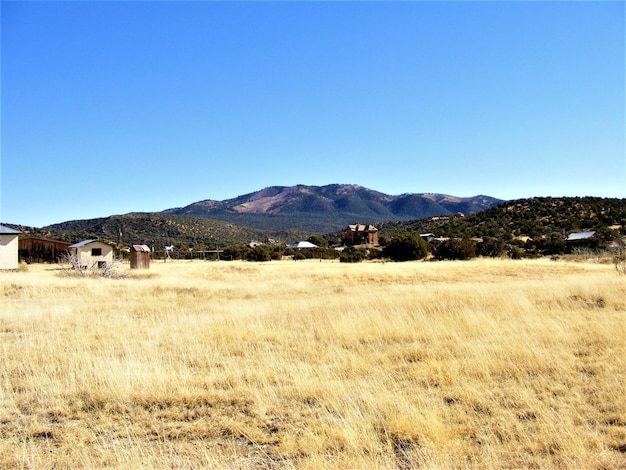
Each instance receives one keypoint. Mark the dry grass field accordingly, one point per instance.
(480, 364)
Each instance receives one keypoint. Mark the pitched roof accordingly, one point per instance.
(29, 237)
(302, 244)
(580, 236)
(80, 244)
(362, 228)
(8, 230)
(87, 242)
(141, 248)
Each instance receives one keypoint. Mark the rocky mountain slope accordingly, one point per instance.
(328, 208)
(543, 220)
(280, 213)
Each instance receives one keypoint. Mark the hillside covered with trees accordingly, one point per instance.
(535, 218)
(520, 228)
(536, 226)
(158, 230)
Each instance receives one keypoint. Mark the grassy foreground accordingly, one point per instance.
(481, 364)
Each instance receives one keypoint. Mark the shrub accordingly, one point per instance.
(234, 252)
(619, 257)
(318, 240)
(491, 247)
(515, 252)
(456, 249)
(352, 255)
(259, 253)
(276, 254)
(406, 246)
(314, 253)
(71, 265)
(374, 253)
(552, 244)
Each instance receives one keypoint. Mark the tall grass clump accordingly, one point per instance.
(479, 364)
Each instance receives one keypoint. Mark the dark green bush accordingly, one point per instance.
(491, 247)
(313, 253)
(234, 252)
(318, 240)
(456, 249)
(406, 246)
(299, 255)
(259, 253)
(352, 255)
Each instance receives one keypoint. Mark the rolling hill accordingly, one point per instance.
(537, 218)
(541, 218)
(279, 213)
(158, 230)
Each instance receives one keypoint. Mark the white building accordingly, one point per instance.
(9, 246)
(92, 253)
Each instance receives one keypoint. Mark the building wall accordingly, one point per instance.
(348, 236)
(139, 260)
(373, 238)
(8, 251)
(35, 250)
(87, 259)
(358, 237)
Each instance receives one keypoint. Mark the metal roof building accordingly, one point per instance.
(575, 236)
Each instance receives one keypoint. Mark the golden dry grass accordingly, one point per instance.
(481, 364)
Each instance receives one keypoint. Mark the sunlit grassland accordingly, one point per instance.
(481, 364)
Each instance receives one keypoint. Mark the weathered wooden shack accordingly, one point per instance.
(8, 248)
(41, 250)
(139, 257)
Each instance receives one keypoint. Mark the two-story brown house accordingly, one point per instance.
(358, 234)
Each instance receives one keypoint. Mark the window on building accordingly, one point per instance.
(96, 252)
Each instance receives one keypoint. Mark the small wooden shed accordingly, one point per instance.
(139, 257)
(8, 247)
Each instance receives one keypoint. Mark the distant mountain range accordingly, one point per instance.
(280, 213)
(283, 214)
(328, 208)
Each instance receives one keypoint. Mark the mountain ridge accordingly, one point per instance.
(326, 208)
(543, 221)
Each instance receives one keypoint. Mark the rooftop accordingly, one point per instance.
(8, 231)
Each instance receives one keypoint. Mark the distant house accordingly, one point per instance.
(583, 240)
(301, 244)
(139, 257)
(92, 253)
(358, 234)
(579, 236)
(8, 248)
(41, 250)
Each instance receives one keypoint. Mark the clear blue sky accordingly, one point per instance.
(116, 107)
